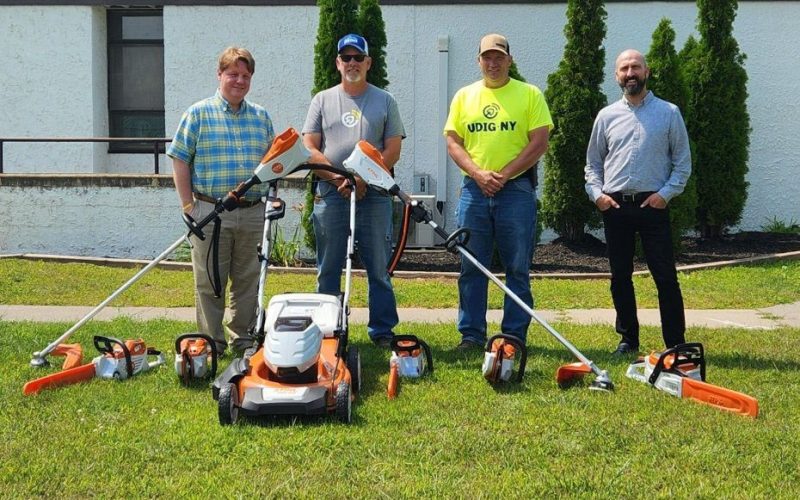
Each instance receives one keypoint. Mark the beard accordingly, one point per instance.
(635, 89)
(353, 77)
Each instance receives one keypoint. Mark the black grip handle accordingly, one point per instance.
(211, 342)
(106, 346)
(518, 345)
(414, 343)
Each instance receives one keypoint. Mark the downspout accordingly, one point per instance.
(443, 45)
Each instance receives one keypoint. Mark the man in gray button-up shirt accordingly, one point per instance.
(638, 159)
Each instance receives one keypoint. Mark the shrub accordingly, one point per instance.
(574, 97)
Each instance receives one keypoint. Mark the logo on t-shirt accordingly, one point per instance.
(491, 110)
(351, 118)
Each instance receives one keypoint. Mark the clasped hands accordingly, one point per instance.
(343, 187)
(489, 182)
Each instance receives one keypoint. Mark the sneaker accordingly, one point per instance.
(468, 345)
(383, 342)
(625, 348)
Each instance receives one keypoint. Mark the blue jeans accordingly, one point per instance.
(374, 245)
(507, 220)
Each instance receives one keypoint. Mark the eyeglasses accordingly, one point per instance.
(349, 57)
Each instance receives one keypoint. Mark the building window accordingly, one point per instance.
(135, 76)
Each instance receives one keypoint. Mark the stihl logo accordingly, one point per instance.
(277, 168)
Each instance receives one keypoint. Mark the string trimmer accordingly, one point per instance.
(118, 360)
(265, 171)
(367, 163)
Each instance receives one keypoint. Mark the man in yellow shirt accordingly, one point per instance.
(496, 132)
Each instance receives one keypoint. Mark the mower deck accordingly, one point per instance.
(262, 392)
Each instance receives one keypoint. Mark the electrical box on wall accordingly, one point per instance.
(422, 184)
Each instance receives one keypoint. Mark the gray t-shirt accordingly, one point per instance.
(343, 120)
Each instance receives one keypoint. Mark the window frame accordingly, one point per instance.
(115, 39)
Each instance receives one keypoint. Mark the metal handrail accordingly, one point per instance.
(155, 141)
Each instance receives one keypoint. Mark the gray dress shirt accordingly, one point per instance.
(634, 149)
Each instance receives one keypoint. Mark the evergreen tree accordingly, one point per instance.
(371, 26)
(667, 82)
(514, 73)
(717, 118)
(574, 96)
(336, 19)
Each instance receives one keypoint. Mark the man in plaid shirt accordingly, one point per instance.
(219, 141)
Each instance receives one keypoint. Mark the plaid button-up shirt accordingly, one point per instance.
(222, 147)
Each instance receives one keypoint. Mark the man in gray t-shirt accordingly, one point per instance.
(337, 119)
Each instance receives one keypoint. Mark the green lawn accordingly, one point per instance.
(451, 435)
(43, 283)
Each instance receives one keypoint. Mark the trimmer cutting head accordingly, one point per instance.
(602, 383)
(569, 374)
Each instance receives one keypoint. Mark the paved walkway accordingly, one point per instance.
(755, 319)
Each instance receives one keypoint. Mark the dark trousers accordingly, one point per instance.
(621, 225)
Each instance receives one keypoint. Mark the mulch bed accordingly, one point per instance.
(589, 255)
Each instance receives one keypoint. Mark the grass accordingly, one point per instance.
(776, 225)
(43, 283)
(451, 435)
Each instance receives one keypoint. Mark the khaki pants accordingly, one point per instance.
(240, 235)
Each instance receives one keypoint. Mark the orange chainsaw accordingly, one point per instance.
(195, 357)
(681, 372)
(411, 357)
(118, 360)
(499, 358)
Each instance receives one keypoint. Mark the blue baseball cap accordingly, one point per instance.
(355, 41)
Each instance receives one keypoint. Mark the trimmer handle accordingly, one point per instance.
(209, 340)
(106, 346)
(410, 344)
(518, 345)
(194, 228)
(459, 237)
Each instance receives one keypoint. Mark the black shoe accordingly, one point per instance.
(468, 345)
(625, 348)
(383, 342)
(221, 348)
(241, 344)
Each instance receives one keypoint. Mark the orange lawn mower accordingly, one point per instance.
(301, 363)
(367, 163)
(681, 372)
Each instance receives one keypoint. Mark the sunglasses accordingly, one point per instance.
(349, 57)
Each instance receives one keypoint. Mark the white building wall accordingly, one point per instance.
(65, 93)
(284, 71)
(90, 221)
(46, 81)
